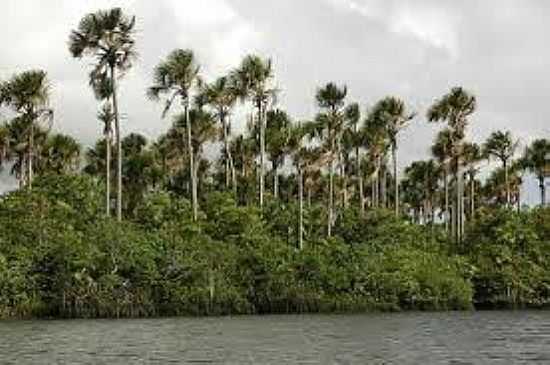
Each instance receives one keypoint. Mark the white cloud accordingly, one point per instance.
(429, 23)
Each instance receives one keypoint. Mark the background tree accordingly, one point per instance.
(472, 156)
(455, 108)
(502, 146)
(329, 125)
(107, 36)
(392, 113)
(175, 78)
(253, 80)
(535, 161)
(442, 151)
(106, 116)
(27, 95)
(278, 135)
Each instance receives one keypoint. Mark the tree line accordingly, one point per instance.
(291, 215)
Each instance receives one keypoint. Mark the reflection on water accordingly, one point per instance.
(405, 338)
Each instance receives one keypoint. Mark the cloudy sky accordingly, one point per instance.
(416, 50)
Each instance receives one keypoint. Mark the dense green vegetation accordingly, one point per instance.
(289, 216)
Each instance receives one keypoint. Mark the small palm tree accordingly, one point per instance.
(535, 160)
(442, 150)
(175, 78)
(472, 156)
(502, 146)
(107, 36)
(27, 95)
(60, 154)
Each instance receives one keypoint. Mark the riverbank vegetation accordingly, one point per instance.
(289, 216)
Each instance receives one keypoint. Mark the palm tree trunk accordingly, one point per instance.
(395, 182)
(301, 219)
(446, 187)
(359, 180)
(191, 162)
(542, 191)
(458, 210)
(384, 187)
(472, 196)
(118, 147)
(505, 165)
(275, 180)
(30, 156)
(226, 149)
(108, 173)
(331, 190)
(262, 152)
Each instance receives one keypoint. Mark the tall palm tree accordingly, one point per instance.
(393, 114)
(535, 160)
(253, 80)
(27, 95)
(374, 128)
(221, 95)
(106, 116)
(442, 150)
(502, 146)
(331, 98)
(455, 108)
(175, 78)
(107, 36)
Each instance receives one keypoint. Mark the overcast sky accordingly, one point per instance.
(416, 50)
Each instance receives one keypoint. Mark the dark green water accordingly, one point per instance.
(405, 338)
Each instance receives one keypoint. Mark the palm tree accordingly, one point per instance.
(359, 141)
(454, 108)
(421, 180)
(330, 98)
(392, 113)
(106, 116)
(502, 146)
(278, 133)
(253, 81)
(377, 148)
(442, 150)
(472, 156)
(60, 154)
(221, 95)
(175, 78)
(535, 160)
(107, 36)
(27, 95)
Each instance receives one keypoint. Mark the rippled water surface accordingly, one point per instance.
(406, 338)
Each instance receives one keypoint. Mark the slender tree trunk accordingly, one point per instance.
(191, 162)
(458, 210)
(542, 191)
(331, 188)
(446, 187)
(30, 156)
(472, 196)
(360, 180)
(505, 165)
(226, 150)
(108, 173)
(118, 147)
(275, 180)
(395, 182)
(301, 199)
(262, 152)
(384, 186)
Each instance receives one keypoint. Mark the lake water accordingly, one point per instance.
(521, 337)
